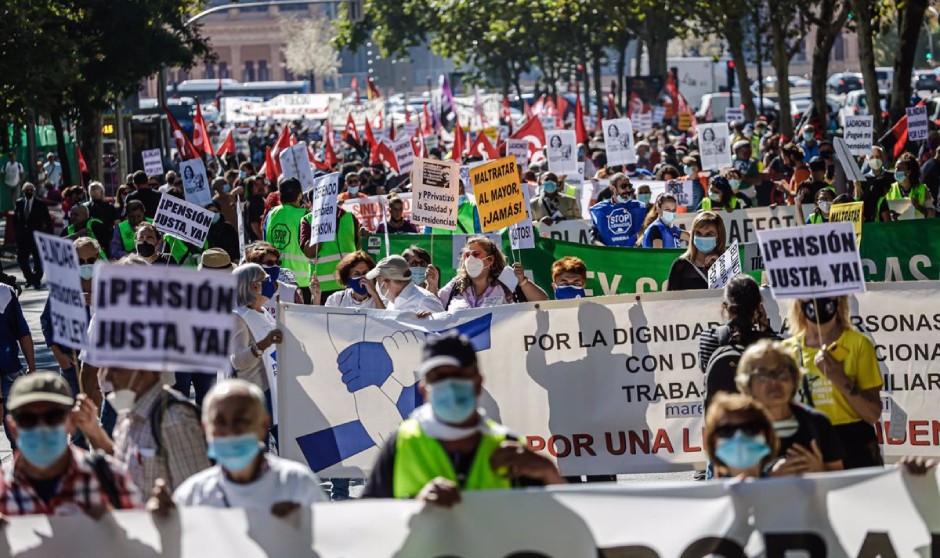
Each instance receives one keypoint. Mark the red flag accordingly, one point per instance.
(82, 166)
(320, 165)
(355, 87)
(896, 138)
(351, 135)
(634, 107)
(533, 132)
(505, 113)
(372, 92)
(391, 129)
(270, 167)
(417, 144)
(382, 154)
(528, 109)
(407, 114)
(370, 137)
(457, 152)
(580, 131)
(228, 146)
(483, 147)
(378, 121)
(672, 88)
(283, 142)
(329, 155)
(426, 128)
(218, 95)
(201, 140)
(183, 145)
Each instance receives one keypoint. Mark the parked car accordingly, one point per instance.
(770, 84)
(856, 104)
(926, 80)
(842, 82)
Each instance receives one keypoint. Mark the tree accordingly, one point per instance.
(867, 18)
(829, 17)
(725, 18)
(787, 29)
(910, 19)
(308, 47)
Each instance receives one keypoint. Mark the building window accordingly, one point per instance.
(263, 74)
(838, 49)
(210, 70)
(249, 71)
(223, 70)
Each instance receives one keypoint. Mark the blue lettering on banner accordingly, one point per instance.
(618, 224)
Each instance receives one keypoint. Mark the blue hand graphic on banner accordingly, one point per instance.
(364, 364)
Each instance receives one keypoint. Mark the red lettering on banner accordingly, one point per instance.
(608, 438)
(687, 446)
(662, 441)
(583, 442)
(916, 432)
(919, 433)
(565, 444)
(535, 443)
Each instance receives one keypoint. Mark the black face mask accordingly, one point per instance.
(145, 249)
(820, 310)
(29, 195)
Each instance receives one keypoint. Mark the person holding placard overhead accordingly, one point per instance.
(659, 230)
(690, 270)
(842, 379)
(907, 185)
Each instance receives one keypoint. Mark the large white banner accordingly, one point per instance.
(604, 385)
(870, 513)
(66, 300)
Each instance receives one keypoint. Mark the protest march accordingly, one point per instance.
(489, 311)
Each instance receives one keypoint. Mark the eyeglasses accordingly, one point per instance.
(776, 374)
(473, 253)
(750, 428)
(54, 417)
(88, 261)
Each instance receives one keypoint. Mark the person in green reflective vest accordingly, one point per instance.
(146, 242)
(122, 241)
(325, 256)
(468, 217)
(83, 225)
(907, 185)
(282, 230)
(448, 445)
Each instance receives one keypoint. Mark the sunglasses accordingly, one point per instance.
(750, 428)
(54, 417)
(88, 261)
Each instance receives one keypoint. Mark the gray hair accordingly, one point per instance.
(83, 241)
(232, 386)
(81, 209)
(246, 274)
(619, 176)
(96, 190)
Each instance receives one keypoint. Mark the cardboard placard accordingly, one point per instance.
(66, 301)
(195, 182)
(435, 191)
(324, 210)
(499, 195)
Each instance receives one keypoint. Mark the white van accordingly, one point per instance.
(885, 75)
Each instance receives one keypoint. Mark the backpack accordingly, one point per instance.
(722, 365)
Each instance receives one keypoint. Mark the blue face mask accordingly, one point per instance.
(227, 188)
(705, 244)
(453, 401)
(644, 198)
(216, 217)
(461, 199)
(549, 186)
(43, 445)
(268, 288)
(242, 174)
(742, 451)
(899, 176)
(357, 286)
(235, 453)
(419, 275)
(567, 292)
(687, 169)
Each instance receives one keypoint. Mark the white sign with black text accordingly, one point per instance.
(562, 152)
(725, 267)
(435, 192)
(917, 123)
(188, 222)
(618, 140)
(195, 182)
(520, 149)
(153, 162)
(404, 154)
(295, 163)
(323, 225)
(858, 134)
(714, 146)
(66, 300)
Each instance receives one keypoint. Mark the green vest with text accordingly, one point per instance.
(128, 235)
(283, 231)
(420, 459)
(707, 204)
(464, 221)
(917, 193)
(332, 252)
(91, 222)
(181, 252)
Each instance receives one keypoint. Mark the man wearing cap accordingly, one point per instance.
(448, 445)
(47, 476)
(215, 259)
(392, 276)
(816, 181)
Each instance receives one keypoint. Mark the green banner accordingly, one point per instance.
(901, 250)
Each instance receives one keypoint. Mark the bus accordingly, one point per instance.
(206, 89)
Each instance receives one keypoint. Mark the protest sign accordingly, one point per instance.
(520, 150)
(618, 141)
(562, 152)
(370, 211)
(242, 232)
(66, 300)
(548, 122)
(521, 234)
(903, 209)
(409, 128)
(658, 114)
(644, 122)
(917, 123)
(725, 267)
(177, 319)
(683, 191)
(852, 172)
(714, 146)
(153, 162)
(635, 358)
(324, 210)
(188, 222)
(432, 142)
(435, 191)
(685, 120)
(404, 155)
(499, 196)
(812, 262)
(734, 114)
(295, 163)
(195, 182)
(851, 212)
(858, 134)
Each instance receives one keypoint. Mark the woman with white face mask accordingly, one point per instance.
(820, 214)
(478, 283)
(660, 232)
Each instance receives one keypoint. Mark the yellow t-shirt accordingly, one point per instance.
(861, 367)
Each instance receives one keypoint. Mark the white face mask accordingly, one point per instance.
(383, 293)
(474, 266)
(875, 164)
(122, 399)
(825, 206)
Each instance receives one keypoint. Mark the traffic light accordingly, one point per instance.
(730, 69)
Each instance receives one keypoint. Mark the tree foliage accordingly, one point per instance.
(308, 47)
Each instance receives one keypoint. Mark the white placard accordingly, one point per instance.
(432, 142)
(295, 163)
(659, 113)
(858, 134)
(186, 221)
(735, 114)
(521, 234)
(714, 146)
(644, 122)
(195, 182)
(408, 129)
(548, 122)
(562, 151)
(323, 226)
(682, 190)
(520, 149)
(917, 123)
(174, 319)
(435, 191)
(847, 160)
(618, 141)
(404, 154)
(242, 233)
(153, 162)
(812, 262)
(66, 300)
(725, 267)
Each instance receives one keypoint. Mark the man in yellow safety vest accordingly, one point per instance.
(282, 230)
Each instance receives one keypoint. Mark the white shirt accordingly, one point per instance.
(415, 299)
(344, 299)
(11, 173)
(53, 173)
(283, 481)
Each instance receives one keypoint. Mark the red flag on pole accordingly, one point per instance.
(185, 147)
(532, 131)
(329, 155)
(351, 134)
(457, 152)
(82, 166)
(270, 167)
(483, 147)
(370, 137)
(417, 144)
(283, 142)
(580, 131)
(372, 92)
(384, 154)
(228, 146)
(201, 140)
(426, 126)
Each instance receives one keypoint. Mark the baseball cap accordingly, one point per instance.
(450, 349)
(215, 258)
(739, 144)
(40, 387)
(395, 268)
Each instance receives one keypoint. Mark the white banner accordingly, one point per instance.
(725, 267)
(609, 385)
(562, 151)
(812, 261)
(435, 191)
(295, 163)
(917, 123)
(325, 190)
(153, 162)
(195, 182)
(618, 141)
(66, 300)
(714, 146)
(870, 513)
(182, 219)
(858, 134)
(176, 319)
(404, 154)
